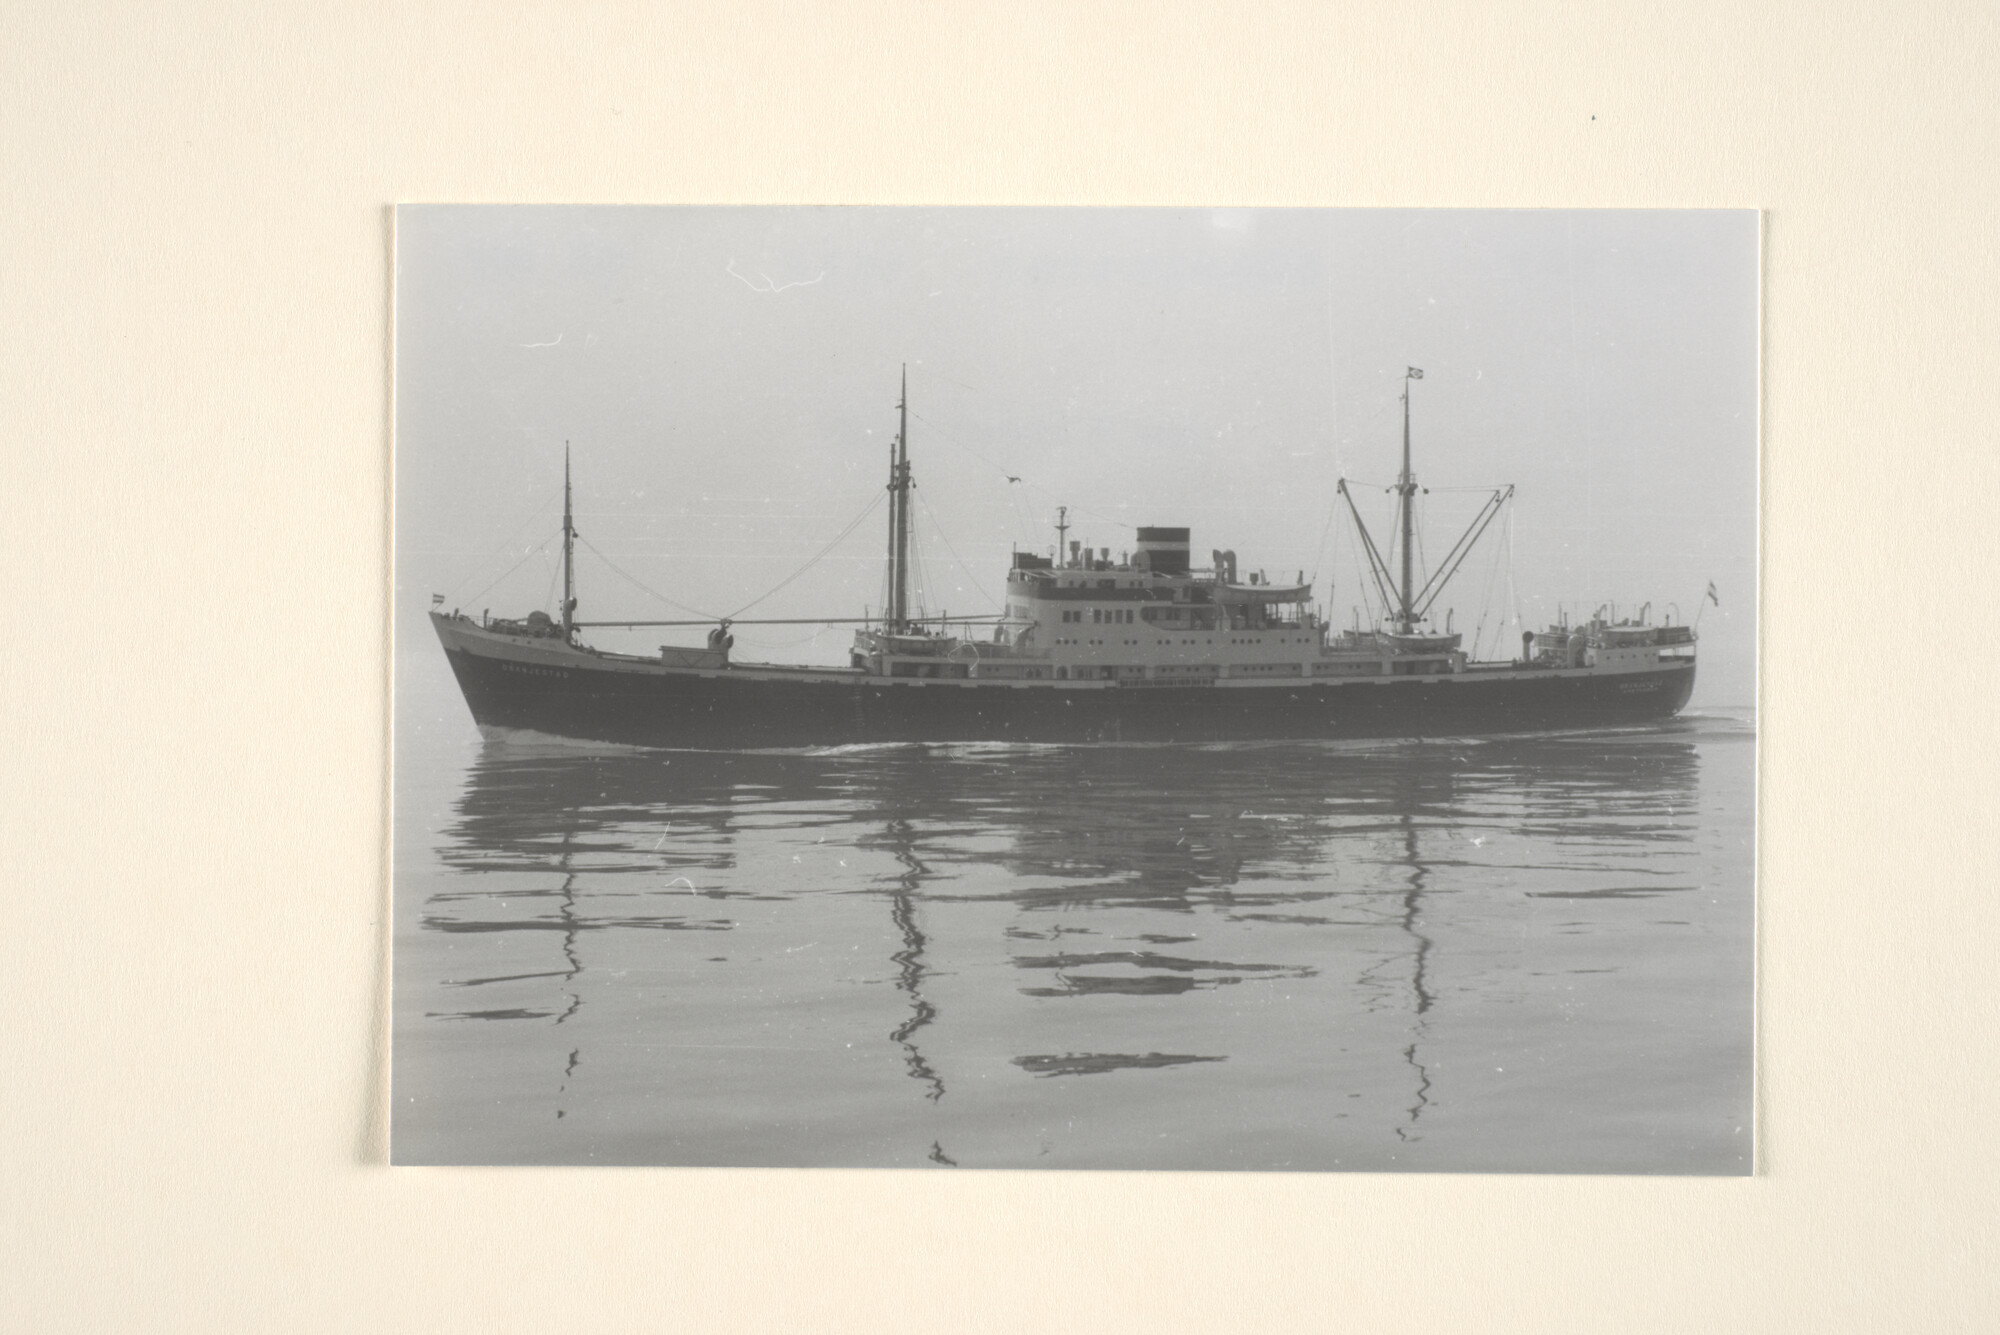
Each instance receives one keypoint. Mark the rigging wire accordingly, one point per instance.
(762, 643)
(856, 523)
(919, 570)
(1513, 597)
(1423, 509)
(1319, 557)
(952, 438)
(927, 581)
(533, 514)
(929, 370)
(1354, 546)
(532, 551)
(888, 591)
(1025, 525)
(1486, 601)
(1079, 510)
(636, 583)
(549, 594)
(931, 515)
(1393, 558)
(1368, 561)
(1479, 629)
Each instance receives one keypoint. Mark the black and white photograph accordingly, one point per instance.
(1086, 688)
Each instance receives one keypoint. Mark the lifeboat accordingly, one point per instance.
(1419, 643)
(1262, 594)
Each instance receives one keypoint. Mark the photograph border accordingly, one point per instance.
(197, 405)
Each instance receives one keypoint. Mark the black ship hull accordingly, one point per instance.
(569, 694)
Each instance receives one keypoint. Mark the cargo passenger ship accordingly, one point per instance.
(1148, 648)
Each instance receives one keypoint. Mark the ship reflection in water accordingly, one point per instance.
(1508, 955)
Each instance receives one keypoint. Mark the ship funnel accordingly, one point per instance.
(1164, 551)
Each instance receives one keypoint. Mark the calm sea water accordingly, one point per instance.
(1502, 955)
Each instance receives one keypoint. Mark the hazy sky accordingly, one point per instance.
(727, 378)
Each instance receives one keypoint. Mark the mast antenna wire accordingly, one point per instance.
(530, 517)
(549, 594)
(1319, 557)
(644, 588)
(532, 551)
(1513, 597)
(919, 574)
(1434, 585)
(938, 528)
(781, 584)
(1361, 563)
(762, 643)
(1378, 567)
(1423, 560)
(1486, 600)
(951, 438)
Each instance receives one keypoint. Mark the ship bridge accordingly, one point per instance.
(1150, 614)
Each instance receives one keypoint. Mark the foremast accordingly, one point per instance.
(899, 517)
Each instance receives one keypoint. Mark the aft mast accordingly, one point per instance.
(1406, 487)
(1409, 603)
(569, 559)
(899, 517)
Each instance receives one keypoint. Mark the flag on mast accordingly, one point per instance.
(1711, 594)
(1415, 374)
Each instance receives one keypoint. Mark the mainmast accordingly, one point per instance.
(1406, 486)
(889, 600)
(1413, 604)
(899, 516)
(569, 559)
